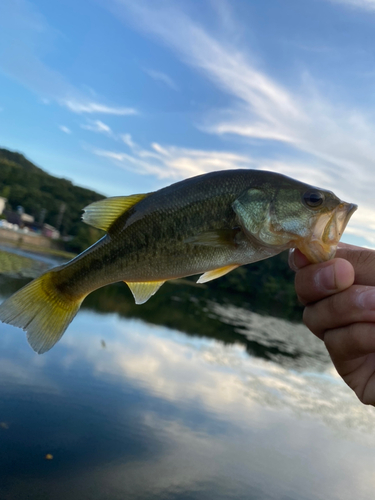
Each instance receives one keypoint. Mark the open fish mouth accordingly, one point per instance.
(337, 223)
(327, 233)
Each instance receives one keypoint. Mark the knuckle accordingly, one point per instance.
(359, 336)
(363, 261)
(352, 297)
(311, 320)
(365, 258)
(332, 341)
(340, 305)
(334, 305)
(348, 342)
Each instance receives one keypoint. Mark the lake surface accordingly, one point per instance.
(190, 396)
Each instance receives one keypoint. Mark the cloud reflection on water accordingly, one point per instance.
(223, 379)
(217, 421)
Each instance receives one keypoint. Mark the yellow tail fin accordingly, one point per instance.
(42, 311)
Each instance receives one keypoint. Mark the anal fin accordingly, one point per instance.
(216, 273)
(143, 290)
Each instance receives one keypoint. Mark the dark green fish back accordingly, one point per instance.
(158, 238)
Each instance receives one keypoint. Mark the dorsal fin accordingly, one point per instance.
(142, 291)
(102, 214)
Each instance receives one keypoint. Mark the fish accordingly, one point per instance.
(208, 225)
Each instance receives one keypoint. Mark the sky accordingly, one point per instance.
(126, 96)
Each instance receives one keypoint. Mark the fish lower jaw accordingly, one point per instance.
(317, 251)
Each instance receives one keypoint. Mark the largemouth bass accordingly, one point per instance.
(206, 225)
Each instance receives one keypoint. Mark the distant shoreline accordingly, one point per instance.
(37, 250)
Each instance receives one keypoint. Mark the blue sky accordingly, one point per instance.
(127, 96)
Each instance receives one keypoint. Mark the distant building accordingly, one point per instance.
(2, 204)
(28, 221)
(27, 218)
(50, 232)
(19, 218)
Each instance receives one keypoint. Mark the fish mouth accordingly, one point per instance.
(327, 232)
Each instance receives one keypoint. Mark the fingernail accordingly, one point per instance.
(296, 259)
(325, 278)
(291, 260)
(366, 298)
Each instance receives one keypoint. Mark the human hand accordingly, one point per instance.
(339, 299)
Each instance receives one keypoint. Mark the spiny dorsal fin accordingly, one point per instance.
(216, 273)
(142, 291)
(102, 214)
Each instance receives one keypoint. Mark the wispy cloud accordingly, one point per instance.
(97, 126)
(65, 129)
(84, 106)
(171, 162)
(337, 141)
(127, 139)
(22, 59)
(359, 4)
(161, 77)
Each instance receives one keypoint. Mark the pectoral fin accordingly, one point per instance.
(216, 238)
(142, 291)
(102, 214)
(216, 273)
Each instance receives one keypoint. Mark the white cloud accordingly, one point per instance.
(65, 129)
(97, 126)
(359, 4)
(161, 77)
(171, 162)
(176, 163)
(94, 107)
(338, 141)
(21, 58)
(127, 139)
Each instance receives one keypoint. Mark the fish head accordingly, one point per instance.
(291, 214)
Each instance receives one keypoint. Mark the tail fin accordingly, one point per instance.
(42, 311)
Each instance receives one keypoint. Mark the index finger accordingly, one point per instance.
(362, 260)
(318, 281)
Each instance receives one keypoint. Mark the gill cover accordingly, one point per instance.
(254, 209)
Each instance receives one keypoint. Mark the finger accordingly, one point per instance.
(318, 281)
(352, 350)
(363, 261)
(353, 305)
(350, 342)
(297, 259)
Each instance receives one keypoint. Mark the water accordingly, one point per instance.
(190, 396)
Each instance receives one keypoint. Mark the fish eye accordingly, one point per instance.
(313, 199)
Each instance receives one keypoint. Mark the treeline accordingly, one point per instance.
(56, 201)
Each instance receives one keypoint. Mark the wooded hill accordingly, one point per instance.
(25, 184)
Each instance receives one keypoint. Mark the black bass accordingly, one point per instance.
(206, 225)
